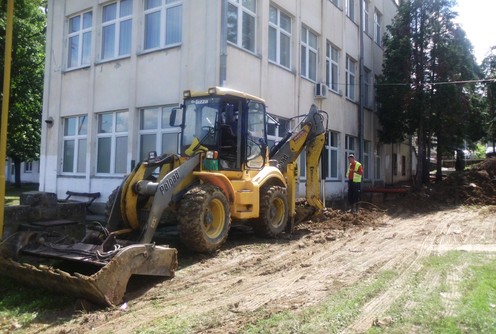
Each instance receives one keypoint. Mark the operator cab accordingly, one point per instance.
(227, 124)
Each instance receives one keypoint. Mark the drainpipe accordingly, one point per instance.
(361, 87)
(223, 44)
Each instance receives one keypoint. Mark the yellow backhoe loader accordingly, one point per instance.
(224, 172)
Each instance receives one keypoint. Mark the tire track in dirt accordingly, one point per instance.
(250, 275)
(443, 229)
(376, 307)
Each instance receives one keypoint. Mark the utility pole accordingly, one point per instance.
(5, 108)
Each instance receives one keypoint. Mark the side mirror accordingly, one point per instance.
(176, 117)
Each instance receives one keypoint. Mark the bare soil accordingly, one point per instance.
(252, 277)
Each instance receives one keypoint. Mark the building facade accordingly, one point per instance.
(115, 69)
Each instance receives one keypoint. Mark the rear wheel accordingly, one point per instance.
(273, 212)
(204, 218)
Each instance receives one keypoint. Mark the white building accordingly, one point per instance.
(30, 171)
(115, 68)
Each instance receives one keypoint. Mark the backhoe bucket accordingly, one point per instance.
(106, 286)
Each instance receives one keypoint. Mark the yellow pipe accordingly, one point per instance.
(5, 108)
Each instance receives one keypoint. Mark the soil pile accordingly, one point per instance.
(476, 185)
(330, 224)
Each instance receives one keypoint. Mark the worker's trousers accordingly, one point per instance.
(354, 189)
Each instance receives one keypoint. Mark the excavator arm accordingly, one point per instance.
(310, 134)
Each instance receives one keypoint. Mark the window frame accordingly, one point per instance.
(365, 22)
(378, 162)
(350, 71)
(278, 134)
(279, 30)
(80, 34)
(241, 11)
(351, 146)
(78, 135)
(306, 48)
(350, 9)
(332, 66)
(332, 144)
(114, 135)
(366, 159)
(162, 38)
(367, 86)
(28, 166)
(159, 130)
(377, 27)
(117, 22)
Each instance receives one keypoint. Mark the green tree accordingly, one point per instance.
(26, 96)
(489, 69)
(425, 54)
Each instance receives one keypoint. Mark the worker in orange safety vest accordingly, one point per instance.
(354, 177)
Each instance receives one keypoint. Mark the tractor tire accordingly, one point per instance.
(204, 218)
(110, 201)
(108, 209)
(273, 212)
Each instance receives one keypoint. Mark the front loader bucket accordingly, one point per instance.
(104, 287)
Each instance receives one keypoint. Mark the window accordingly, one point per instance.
(403, 165)
(366, 159)
(156, 134)
(277, 128)
(75, 143)
(365, 22)
(163, 23)
(241, 23)
(377, 27)
(79, 40)
(367, 88)
(332, 67)
(116, 29)
(256, 127)
(112, 143)
(378, 153)
(308, 54)
(395, 164)
(279, 37)
(333, 149)
(351, 146)
(350, 9)
(28, 167)
(350, 78)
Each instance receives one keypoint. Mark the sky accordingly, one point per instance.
(478, 19)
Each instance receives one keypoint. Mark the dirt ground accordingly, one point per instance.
(330, 252)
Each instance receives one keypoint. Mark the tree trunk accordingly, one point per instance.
(420, 158)
(17, 172)
(439, 161)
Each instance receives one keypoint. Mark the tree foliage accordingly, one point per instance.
(420, 92)
(489, 69)
(26, 95)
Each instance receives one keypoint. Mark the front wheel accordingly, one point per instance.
(273, 212)
(204, 218)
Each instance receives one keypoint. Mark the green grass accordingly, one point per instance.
(432, 302)
(331, 316)
(12, 193)
(438, 303)
(21, 306)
